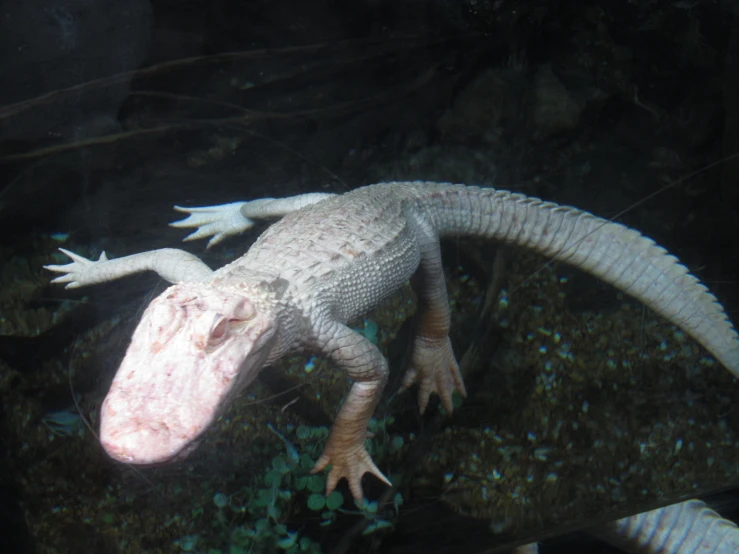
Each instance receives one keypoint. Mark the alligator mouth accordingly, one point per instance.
(144, 445)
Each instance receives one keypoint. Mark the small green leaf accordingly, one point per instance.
(319, 432)
(457, 400)
(300, 482)
(303, 432)
(376, 525)
(316, 483)
(371, 507)
(220, 500)
(274, 512)
(241, 536)
(306, 462)
(316, 502)
(188, 542)
(398, 500)
(334, 500)
(397, 442)
(279, 464)
(288, 541)
(273, 477)
(263, 528)
(263, 498)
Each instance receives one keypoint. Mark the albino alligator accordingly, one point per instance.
(688, 527)
(330, 259)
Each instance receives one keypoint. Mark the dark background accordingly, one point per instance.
(111, 111)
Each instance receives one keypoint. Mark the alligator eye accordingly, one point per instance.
(164, 321)
(219, 332)
(244, 311)
(162, 315)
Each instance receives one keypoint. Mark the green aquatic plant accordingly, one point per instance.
(287, 482)
(257, 518)
(63, 423)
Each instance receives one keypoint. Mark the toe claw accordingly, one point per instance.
(351, 465)
(435, 369)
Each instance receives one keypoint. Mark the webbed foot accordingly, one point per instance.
(435, 369)
(217, 222)
(350, 461)
(79, 272)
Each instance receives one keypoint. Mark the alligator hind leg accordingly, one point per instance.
(225, 220)
(433, 365)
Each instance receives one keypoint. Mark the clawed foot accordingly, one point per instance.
(217, 222)
(435, 369)
(350, 463)
(78, 273)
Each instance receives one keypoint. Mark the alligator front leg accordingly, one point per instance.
(345, 449)
(175, 266)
